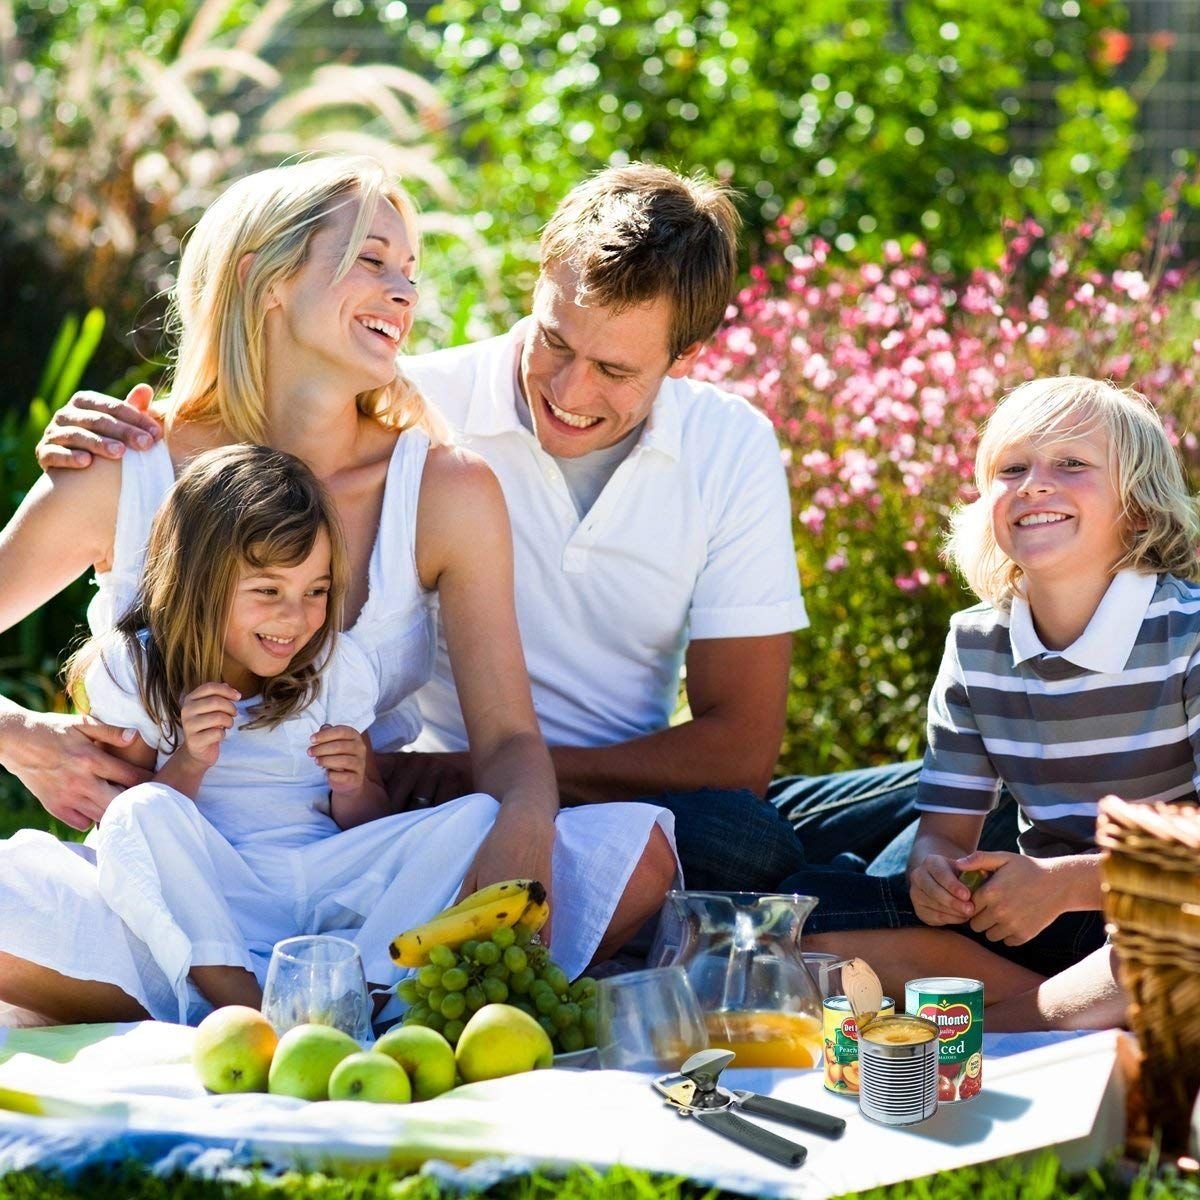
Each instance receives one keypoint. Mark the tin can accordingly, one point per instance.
(955, 1006)
(841, 1043)
(898, 1066)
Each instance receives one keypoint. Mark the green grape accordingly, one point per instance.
(436, 998)
(548, 1026)
(455, 979)
(562, 1017)
(588, 1024)
(521, 981)
(452, 1031)
(487, 953)
(496, 971)
(429, 976)
(475, 998)
(523, 936)
(572, 1039)
(586, 985)
(435, 1021)
(556, 977)
(407, 990)
(545, 1003)
(523, 1004)
(468, 948)
(504, 937)
(538, 957)
(495, 990)
(419, 1012)
(454, 1005)
(539, 986)
(442, 956)
(515, 958)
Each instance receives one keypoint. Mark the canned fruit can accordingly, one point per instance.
(955, 1006)
(898, 1064)
(841, 1043)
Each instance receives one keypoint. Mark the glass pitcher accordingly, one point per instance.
(741, 952)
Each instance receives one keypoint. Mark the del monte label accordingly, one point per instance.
(952, 1020)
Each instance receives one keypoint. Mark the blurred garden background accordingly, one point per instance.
(941, 200)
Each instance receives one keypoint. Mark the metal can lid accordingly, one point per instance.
(944, 983)
(863, 990)
(900, 1031)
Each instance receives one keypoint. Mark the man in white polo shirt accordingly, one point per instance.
(652, 532)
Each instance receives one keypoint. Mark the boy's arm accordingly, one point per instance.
(933, 879)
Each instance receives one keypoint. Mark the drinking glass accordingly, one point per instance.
(826, 970)
(648, 1020)
(317, 979)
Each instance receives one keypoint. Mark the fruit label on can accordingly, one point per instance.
(841, 1043)
(956, 1008)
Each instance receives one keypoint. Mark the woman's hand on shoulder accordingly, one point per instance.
(93, 426)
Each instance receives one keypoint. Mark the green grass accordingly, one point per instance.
(1043, 1180)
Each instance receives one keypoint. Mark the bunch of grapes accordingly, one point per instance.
(510, 967)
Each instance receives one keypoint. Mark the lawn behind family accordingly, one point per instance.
(940, 202)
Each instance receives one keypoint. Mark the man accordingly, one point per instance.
(651, 526)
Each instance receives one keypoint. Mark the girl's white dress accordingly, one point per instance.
(257, 857)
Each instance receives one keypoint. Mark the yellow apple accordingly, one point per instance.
(501, 1040)
(305, 1058)
(426, 1056)
(373, 1077)
(233, 1048)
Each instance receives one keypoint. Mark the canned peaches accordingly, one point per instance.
(841, 1043)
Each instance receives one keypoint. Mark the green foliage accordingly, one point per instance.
(881, 120)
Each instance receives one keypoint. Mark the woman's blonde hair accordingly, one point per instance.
(231, 507)
(219, 317)
(1159, 510)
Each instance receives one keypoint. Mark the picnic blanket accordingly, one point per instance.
(83, 1095)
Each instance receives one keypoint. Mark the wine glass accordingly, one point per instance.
(648, 1020)
(317, 979)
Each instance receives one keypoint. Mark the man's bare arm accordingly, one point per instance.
(737, 692)
(92, 424)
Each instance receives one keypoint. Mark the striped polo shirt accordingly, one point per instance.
(1117, 712)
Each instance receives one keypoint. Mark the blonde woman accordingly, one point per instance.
(295, 293)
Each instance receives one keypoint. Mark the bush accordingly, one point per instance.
(876, 378)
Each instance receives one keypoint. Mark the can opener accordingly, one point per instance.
(693, 1092)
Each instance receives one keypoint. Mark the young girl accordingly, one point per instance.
(296, 291)
(1077, 677)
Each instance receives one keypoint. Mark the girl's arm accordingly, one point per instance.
(356, 791)
(464, 549)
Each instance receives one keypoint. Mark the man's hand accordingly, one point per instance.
(62, 760)
(342, 752)
(1021, 896)
(91, 423)
(937, 895)
(207, 715)
(519, 846)
(416, 780)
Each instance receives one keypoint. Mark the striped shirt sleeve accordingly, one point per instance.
(957, 775)
(1191, 704)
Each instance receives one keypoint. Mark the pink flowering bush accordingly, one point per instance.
(877, 378)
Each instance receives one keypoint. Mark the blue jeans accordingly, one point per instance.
(734, 841)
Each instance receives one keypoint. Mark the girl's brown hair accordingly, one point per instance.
(231, 507)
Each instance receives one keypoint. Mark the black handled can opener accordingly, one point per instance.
(693, 1092)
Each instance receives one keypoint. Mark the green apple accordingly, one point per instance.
(501, 1040)
(426, 1056)
(366, 1076)
(305, 1058)
(233, 1048)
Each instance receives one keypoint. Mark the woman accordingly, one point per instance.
(295, 292)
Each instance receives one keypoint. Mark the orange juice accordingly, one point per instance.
(766, 1039)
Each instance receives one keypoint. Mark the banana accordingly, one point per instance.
(510, 887)
(535, 916)
(455, 926)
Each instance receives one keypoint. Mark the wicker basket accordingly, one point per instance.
(1152, 901)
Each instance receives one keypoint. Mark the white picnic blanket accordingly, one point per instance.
(83, 1095)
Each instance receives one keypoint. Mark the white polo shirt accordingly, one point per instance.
(690, 538)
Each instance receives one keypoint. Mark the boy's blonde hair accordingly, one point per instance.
(220, 319)
(1159, 509)
(233, 506)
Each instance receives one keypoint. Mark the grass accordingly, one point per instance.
(1041, 1180)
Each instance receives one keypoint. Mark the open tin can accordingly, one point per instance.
(897, 1056)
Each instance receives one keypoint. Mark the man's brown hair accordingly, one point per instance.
(635, 233)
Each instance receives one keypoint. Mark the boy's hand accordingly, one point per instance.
(342, 752)
(938, 896)
(1018, 900)
(208, 714)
